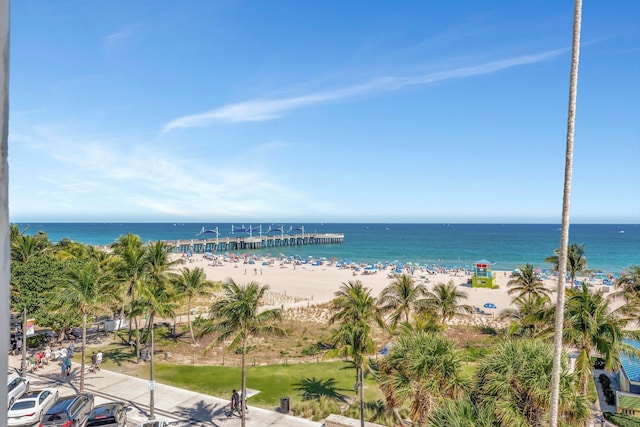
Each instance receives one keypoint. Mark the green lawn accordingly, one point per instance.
(273, 381)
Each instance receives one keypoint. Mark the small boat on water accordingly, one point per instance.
(621, 231)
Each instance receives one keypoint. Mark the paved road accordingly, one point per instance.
(171, 403)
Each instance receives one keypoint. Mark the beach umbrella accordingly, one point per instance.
(490, 305)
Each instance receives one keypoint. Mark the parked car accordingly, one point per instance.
(112, 414)
(69, 411)
(17, 386)
(31, 406)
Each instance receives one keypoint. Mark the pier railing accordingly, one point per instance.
(223, 244)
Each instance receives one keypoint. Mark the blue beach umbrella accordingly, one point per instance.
(490, 305)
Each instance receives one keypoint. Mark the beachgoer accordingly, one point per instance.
(63, 353)
(235, 398)
(19, 345)
(94, 362)
(98, 360)
(67, 364)
(72, 349)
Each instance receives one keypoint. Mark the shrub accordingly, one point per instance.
(622, 420)
(604, 380)
(317, 408)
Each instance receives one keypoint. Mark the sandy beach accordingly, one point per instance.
(296, 288)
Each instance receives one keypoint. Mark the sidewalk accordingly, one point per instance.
(171, 403)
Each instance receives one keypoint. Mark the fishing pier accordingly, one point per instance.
(225, 244)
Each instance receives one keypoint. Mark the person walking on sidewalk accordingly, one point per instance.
(235, 400)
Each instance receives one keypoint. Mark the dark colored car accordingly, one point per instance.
(112, 414)
(69, 411)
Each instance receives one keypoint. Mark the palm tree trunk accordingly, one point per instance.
(243, 403)
(135, 324)
(84, 344)
(193, 340)
(566, 203)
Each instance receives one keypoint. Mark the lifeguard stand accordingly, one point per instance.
(482, 275)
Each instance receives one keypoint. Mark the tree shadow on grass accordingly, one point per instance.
(120, 355)
(314, 388)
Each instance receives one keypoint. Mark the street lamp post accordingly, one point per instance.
(152, 382)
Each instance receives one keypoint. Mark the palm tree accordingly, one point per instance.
(421, 368)
(356, 310)
(83, 290)
(157, 298)
(237, 316)
(520, 397)
(566, 205)
(129, 268)
(530, 317)
(399, 298)
(591, 326)
(24, 247)
(157, 295)
(461, 412)
(629, 284)
(576, 261)
(444, 300)
(525, 282)
(191, 283)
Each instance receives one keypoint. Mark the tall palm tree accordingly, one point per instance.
(525, 282)
(129, 268)
(191, 283)
(421, 368)
(591, 326)
(566, 207)
(157, 298)
(82, 290)
(520, 397)
(445, 301)
(237, 316)
(399, 298)
(356, 310)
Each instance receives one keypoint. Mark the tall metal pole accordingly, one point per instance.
(152, 383)
(23, 364)
(5, 257)
(361, 392)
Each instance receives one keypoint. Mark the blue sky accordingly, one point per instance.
(321, 111)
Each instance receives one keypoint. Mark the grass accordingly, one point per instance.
(273, 381)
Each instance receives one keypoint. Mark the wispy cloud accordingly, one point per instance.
(268, 109)
(117, 39)
(135, 176)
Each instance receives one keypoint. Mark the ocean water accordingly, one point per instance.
(611, 248)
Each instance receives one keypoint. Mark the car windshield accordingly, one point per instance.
(23, 404)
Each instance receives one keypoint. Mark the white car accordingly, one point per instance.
(17, 386)
(29, 408)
